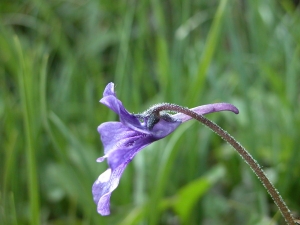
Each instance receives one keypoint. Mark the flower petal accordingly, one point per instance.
(106, 183)
(112, 134)
(121, 143)
(109, 89)
(164, 128)
(111, 101)
(206, 109)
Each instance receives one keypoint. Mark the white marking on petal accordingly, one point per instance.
(104, 177)
(101, 159)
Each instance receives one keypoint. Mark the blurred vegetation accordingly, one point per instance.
(57, 56)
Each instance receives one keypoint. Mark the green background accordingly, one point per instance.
(57, 56)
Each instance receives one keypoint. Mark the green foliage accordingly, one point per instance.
(56, 58)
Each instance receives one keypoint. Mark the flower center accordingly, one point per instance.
(150, 118)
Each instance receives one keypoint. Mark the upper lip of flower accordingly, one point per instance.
(122, 140)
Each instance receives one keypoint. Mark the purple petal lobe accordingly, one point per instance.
(206, 109)
(164, 128)
(111, 101)
(121, 143)
(103, 187)
(109, 89)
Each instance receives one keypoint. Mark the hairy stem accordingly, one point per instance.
(242, 152)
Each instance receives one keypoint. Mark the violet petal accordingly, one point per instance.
(206, 109)
(106, 183)
(121, 143)
(111, 101)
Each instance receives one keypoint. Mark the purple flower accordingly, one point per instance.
(122, 140)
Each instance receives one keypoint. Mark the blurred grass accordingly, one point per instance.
(56, 58)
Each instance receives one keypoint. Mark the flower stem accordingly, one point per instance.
(242, 152)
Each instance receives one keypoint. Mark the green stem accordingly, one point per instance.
(242, 152)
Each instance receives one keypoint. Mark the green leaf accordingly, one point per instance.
(190, 194)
